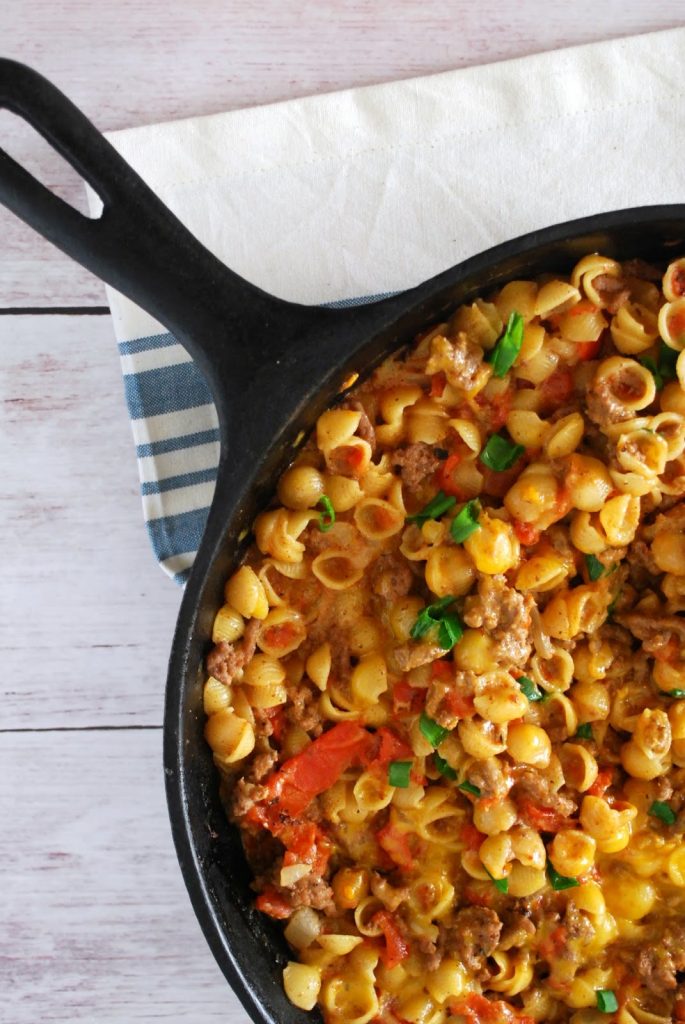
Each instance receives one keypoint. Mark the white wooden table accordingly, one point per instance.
(95, 924)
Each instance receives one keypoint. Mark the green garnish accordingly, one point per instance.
(433, 732)
(674, 693)
(450, 629)
(503, 356)
(557, 881)
(434, 509)
(529, 688)
(663, 369)
(500, 883)
(465, 522)
(595, 568)
(450, 632)
(500, 454)
(660, 809)
(399, 772)
(606, 1000)
(468, 787)
(611, 607)
(584, 732)
(444, 768)
(327, 517)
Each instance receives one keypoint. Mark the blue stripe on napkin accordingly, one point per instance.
(176, 431)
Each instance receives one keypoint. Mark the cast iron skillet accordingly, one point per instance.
(273, 367)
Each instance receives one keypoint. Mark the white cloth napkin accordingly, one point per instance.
(373, 190)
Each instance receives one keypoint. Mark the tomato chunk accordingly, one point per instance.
(396, 946)
(544, 819)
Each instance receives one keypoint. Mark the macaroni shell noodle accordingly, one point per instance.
(445, 690)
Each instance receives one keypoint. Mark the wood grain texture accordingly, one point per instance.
(96, 922)
(127, 63)
(87, 616)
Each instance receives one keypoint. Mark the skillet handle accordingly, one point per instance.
(137, 245)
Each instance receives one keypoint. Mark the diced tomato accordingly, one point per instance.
(500, 407)
(554, 943)
(459, 705)
(293, 787)
(544, 819)
(478, 1009)
(438, 382)
(442, 669)
(588, 349)
(604, 779)
(679, 1010)
(444, 476)
(396, 946)
(392, 748)
(281, 635)
(407, 699)
(470, 836)
(584, 306)
(558, 387)
(396, 845)
(526, 533)
(480, 894)
(272, 903)
(306, 844)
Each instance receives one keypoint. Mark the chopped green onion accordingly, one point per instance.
(327, 517)
(468, 787)
(430, 616)
(444, 768)
(663, 369)
(500, 454)
(450, 629)
(557, 881)
(450, 632)
(595, 568)
(660, 809)
(612, 606)
(433, 732)
(399, 772)
(503, 356)
(440, 504)
(500, 883)
(650, 365)
(674, 693)
(668, 357)
(584, 732)
(465, 522)
(529, 688)
(606, 1000)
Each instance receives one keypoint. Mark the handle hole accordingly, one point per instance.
(28, 148)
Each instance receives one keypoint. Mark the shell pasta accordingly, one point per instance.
(446, 692)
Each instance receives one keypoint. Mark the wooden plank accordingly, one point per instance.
(128, 63)
(96, 922)
(87, 614)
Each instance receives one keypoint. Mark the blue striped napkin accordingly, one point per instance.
(373, 190)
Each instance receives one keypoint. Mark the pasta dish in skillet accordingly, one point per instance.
(447, 688)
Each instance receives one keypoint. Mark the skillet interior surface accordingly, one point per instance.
(248, 946)
(273, 367)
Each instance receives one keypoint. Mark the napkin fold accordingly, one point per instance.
(370, 191)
